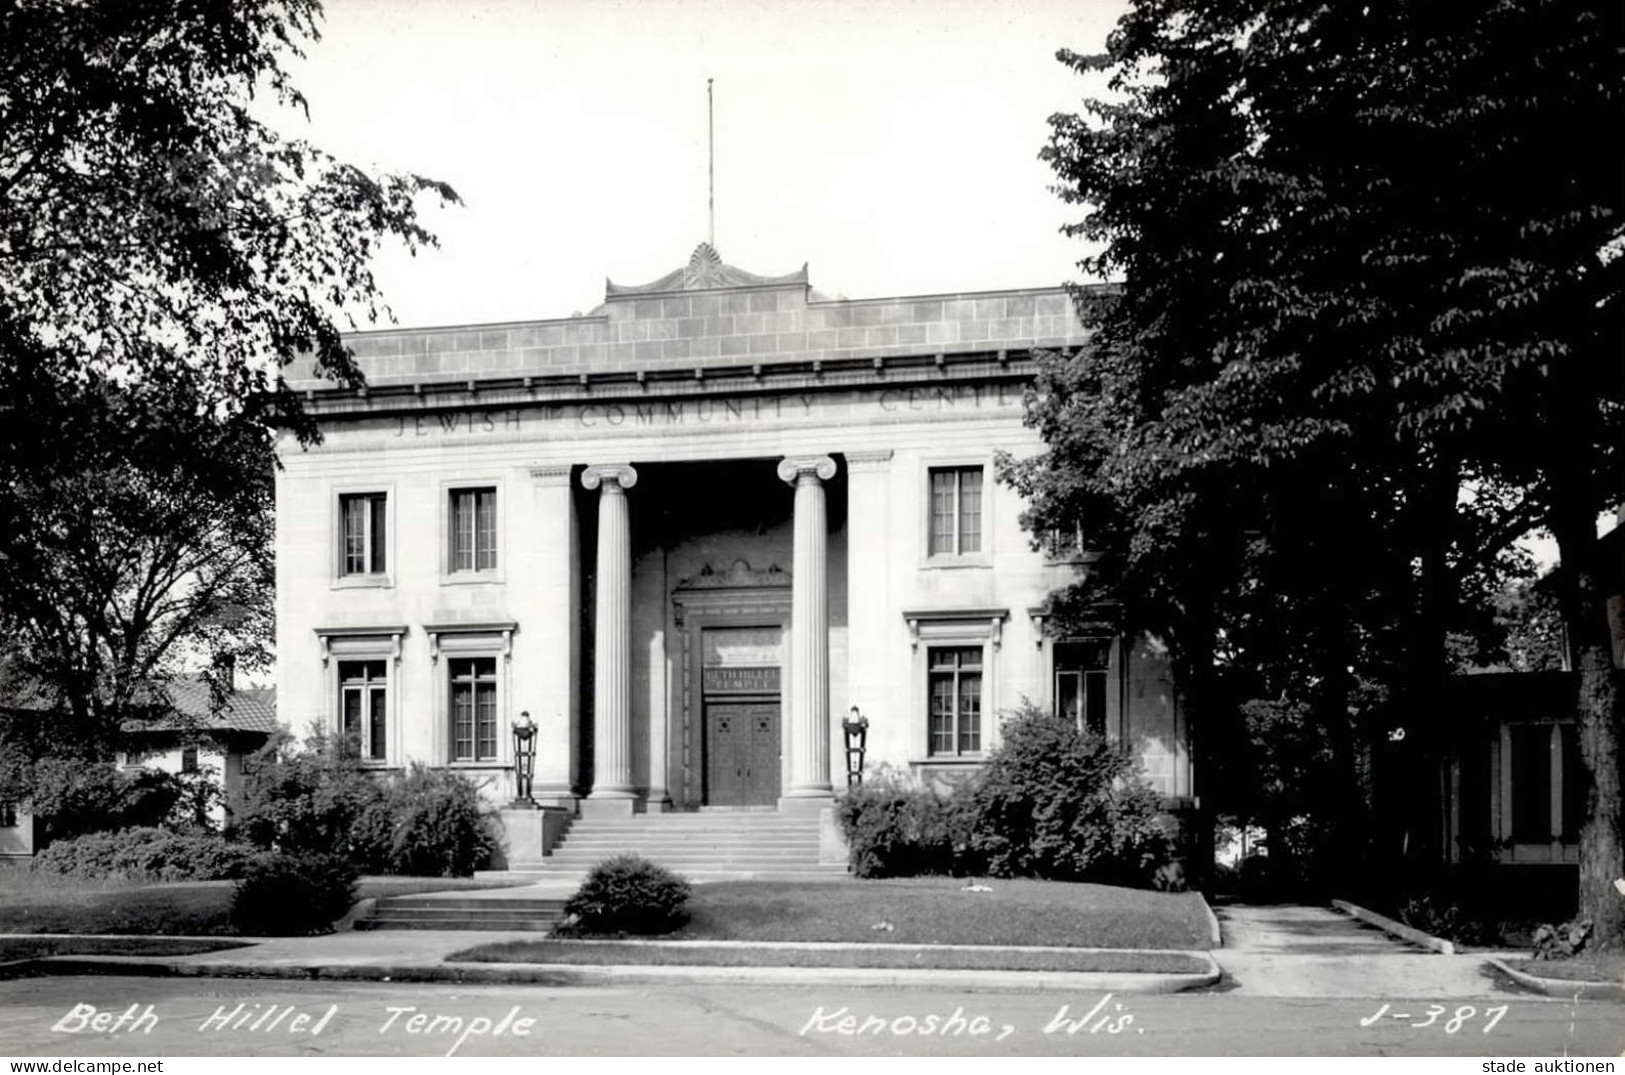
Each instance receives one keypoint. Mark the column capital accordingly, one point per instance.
(553, 474)
(869, 459)
(815, 467)
(611, 476)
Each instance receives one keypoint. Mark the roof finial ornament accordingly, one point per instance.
(704, 268)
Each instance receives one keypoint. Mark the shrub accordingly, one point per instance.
(1562, 941)
(72, 797)
(896, 827)
(286, 895)
(437, 825)
(314, 799)
(145, 854)
(318, 798)
(628, 894)
(1057, 803)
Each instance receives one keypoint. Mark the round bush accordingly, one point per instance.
(628, 894)
(1056, 803)
(285, 895)
(145, 854)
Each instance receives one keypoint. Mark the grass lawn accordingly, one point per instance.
(865, 956)
(36, 903)
(937, 910)
(1595, 967)
(13, 948)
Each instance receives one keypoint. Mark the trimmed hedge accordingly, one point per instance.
(628, 894)
(145, 854)
(282, 895)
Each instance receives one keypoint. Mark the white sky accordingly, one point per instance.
(891, 145)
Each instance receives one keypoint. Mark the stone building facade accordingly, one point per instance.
(688, 533)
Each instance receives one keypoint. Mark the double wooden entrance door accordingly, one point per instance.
(742, 752)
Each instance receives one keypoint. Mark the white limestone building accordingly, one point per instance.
(688, 533)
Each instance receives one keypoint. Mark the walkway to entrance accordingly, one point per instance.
(1290, 950)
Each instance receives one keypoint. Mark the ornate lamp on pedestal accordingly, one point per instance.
(524, 760)
(856, 728)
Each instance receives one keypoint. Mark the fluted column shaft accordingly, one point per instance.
(808, 738)
(612, 640)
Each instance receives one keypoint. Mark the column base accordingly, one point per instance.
(611, 804)
(807, 801)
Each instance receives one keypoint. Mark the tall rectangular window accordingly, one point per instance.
(363, 538)
(364, 706)
(473, 708)
(8, 814)
(1576, 784)
(1531, 783)
(956, 510)
(473, 529)
(1080, 682)
(955, 690)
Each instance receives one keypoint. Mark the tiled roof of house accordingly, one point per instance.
(251, 710)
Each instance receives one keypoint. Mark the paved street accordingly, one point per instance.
(779, 1021)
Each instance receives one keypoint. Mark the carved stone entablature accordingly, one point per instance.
(705, 271)
(738, 575)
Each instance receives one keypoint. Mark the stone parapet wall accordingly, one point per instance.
(709, 329)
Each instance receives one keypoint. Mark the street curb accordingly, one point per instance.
(1215, 934)
(1559, 987)
(572, 974)
(1396, 929)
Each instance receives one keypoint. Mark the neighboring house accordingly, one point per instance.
(202, 741)
(688, 533)
(197, 740)
(1514, 785)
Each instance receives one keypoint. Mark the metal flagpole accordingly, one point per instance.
(711, 167)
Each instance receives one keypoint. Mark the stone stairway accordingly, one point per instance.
(710, 845)
(466, 911)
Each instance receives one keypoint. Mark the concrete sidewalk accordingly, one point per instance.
(1300, 951)
(420, 955)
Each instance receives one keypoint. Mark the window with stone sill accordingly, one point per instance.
(472, 542)
(473, 708)
(364, 708)
(363, 534)
(1080, 682)
(954, 697)
(956, 511)
(1063, 544)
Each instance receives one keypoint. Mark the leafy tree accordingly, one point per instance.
(1364, 260)
(148, 548)
(164, 256)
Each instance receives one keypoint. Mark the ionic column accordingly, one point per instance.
(612, 787)
(808, 737)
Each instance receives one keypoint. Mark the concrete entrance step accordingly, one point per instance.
(567, 876)
(448, 911)
(453, 922)
(679, 847)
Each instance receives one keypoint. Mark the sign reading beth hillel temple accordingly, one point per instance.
(702, 522)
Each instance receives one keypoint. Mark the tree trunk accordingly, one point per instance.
(1597, 709)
